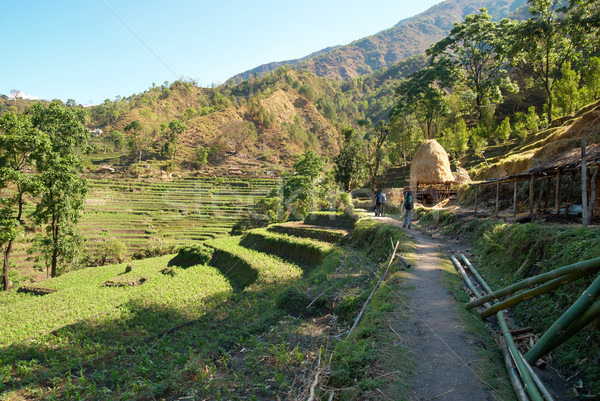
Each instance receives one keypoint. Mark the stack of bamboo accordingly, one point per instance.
(579, 315)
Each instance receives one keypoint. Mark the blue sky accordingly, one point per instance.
(91, 50)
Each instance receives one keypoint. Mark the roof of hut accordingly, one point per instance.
(431, 165)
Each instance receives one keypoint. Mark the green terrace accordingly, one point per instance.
(144, 214)
(232, 321)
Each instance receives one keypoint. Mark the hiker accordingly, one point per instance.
(378, 200)
(382, 204)
(407, 205)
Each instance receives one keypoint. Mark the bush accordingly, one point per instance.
(192, 255)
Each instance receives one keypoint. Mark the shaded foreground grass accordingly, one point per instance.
(186, 333)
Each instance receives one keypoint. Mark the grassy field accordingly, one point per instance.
(246, 326)
(149, 214)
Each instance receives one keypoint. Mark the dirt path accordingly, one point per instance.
(441, 348)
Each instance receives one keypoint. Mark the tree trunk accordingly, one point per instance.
(54, 247)
(5, 269)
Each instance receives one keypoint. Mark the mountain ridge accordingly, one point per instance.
(408, 37)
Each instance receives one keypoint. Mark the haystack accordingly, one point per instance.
(430, 166)
(462, 176)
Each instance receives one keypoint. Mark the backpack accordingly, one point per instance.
(408, 202)
(378, 197)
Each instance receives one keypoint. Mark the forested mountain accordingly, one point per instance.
(407, 38)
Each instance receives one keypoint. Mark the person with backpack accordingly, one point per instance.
(407, 205)
(378, 200)
(382, 204)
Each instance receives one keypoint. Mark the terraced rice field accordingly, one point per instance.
(144, 214)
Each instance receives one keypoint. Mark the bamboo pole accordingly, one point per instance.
(528, 382)
(526, 376)
(531, 196)
(464, 275)
(515, 198)
(584, 201)
(475, 273)
(557, 194)
(544, 344)
(540, 385)
(591, 265)
(513, 374)
(497, 199)
(588, 317)
(534, 292)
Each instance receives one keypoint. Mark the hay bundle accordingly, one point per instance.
(461, 176)
(431, 165)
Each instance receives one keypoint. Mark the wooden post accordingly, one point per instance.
(593, 194)
(515, 198)
(557, 194)
(497, 199)
(531, 196)
(476, 192)
(584, 197)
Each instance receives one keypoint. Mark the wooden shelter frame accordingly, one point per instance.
(565, 165)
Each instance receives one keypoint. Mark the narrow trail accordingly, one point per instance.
(441, 348)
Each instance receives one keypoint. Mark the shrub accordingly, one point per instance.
(192, 255)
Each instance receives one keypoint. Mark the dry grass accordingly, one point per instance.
(431, 165)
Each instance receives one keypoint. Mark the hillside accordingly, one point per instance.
(409, 37)
(564, 135)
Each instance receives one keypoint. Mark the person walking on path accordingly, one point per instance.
(407, 207)
(378, 201)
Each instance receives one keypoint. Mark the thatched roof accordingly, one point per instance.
(431, 165)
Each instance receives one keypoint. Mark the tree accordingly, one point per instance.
(405, 137)
(349, 164)
(566, 90)
(118, 139)
(20, 145)
(548, 40)
(591, 77)
(421, 95)
(201, 158)
(375, 140)
(62, 189)
(299, 189)
(456, 139)
(475, 49)
(504, 131)
(135, 128)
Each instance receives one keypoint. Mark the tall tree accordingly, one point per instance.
(375, 139)
(135, 128)
(552, 37)
(20, 145)
(63, 190)
(421, 94)
(349, 164)
(475, 49)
